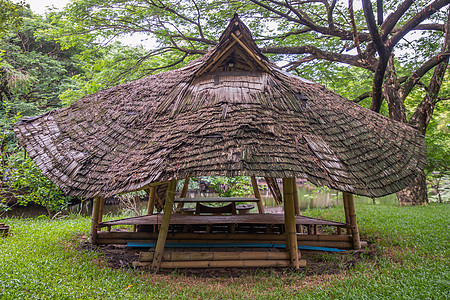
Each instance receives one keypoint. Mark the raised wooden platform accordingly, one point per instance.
(182, 219)
(250, 228)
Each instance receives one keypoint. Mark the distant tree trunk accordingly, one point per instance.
(415, 193)
(438, 186)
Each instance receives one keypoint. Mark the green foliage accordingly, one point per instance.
(23, 179)
(438, 156)
(34, 71)
(10, 15)
(37, 68)
(109, 66)
(130, 203)
(238, 186)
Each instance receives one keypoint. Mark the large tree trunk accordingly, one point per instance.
(415, 193)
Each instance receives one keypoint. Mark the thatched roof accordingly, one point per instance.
(230, 112)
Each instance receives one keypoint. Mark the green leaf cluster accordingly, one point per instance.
(10, 15)
(26, 183)
(238, 186)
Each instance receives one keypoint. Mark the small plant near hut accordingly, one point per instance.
(130, 202)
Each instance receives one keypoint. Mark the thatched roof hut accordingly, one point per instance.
(228, 113)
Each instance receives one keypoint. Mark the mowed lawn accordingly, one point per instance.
(43, 259)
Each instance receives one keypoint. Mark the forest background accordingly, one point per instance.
(391, 58)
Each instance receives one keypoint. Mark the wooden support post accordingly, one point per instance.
(289, 221)
(162, 236)
(257, 195)
(347, 215)
(151, 200)
(353, 222)
(94, 221)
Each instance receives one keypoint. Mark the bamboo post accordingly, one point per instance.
(162, 236)
(353, 222)
(94, 221)
(151, 200)
(297, 206)
(100, 210)
(347, 215)
(184, 191)
(257, 195)
(289, 221)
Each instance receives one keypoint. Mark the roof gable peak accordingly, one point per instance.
(236, 51)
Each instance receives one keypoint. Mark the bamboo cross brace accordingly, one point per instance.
(184, 191)
(203, 69)
(151, 200)
(248, 61)
(257, 195)
(162, 236)
(250, 52)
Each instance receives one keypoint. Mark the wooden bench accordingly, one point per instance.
(231, 208)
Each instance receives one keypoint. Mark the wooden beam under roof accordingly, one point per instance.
(250, 52)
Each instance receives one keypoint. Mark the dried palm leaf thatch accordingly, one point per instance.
(229, 113)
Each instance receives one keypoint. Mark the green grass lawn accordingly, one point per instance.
(42, 260)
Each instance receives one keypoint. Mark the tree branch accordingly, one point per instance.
(293, 65)
(372, 26)
(342, 34)
(362, 97)
(285, 35)
(385, 50)
(354, 29)
(393, 18)
(420, 72)
(435, 27)
(422, 116)
(320, 54)
(192, 39)
(330, 14)
(415, 21)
